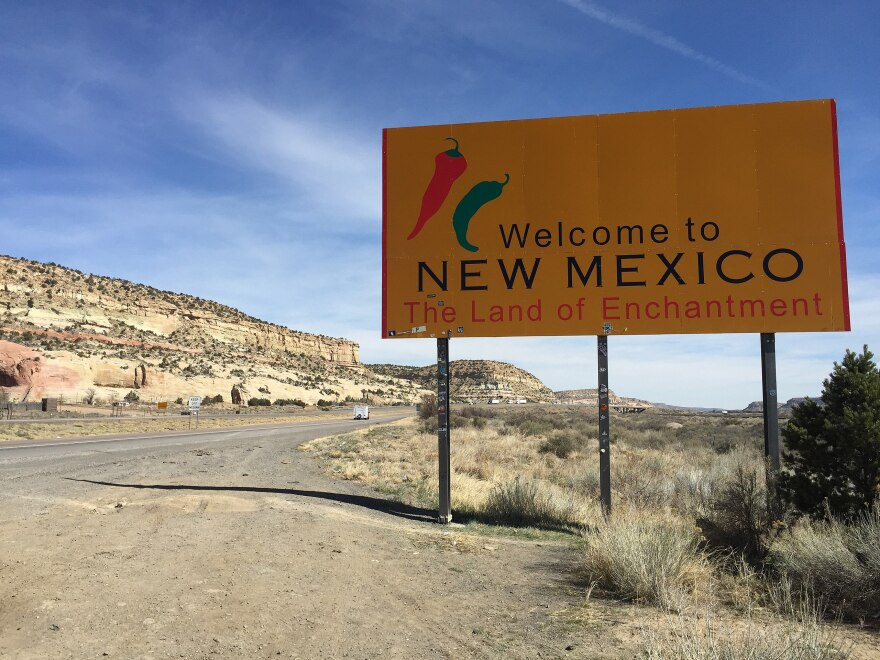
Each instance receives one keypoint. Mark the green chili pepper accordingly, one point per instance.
(481, 194)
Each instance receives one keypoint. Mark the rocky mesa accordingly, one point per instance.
(64, 332)
(475, 381)
(590, 397)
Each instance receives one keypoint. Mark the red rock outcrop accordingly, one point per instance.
(18, 365)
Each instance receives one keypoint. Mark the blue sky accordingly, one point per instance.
(233, 150)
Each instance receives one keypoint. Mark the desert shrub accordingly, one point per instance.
(643, 558)
(525, 503)
(535, 427)
(321, 403)
(428, 407)
(694, 489)
(292, 402)
(563, 443)
(254, 401)
(537, 422)
(132, 396)
(208, 400)
(471, 416)
(738, 517)
(839, 561)
(478, 412)
(644, 481)
(459, 421)
(833, 450)
(429, 425)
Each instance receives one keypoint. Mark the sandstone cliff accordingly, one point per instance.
(67, 332)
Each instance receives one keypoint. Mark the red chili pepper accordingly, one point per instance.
(448, 166)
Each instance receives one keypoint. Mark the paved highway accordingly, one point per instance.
(13, 453)
(152, 414)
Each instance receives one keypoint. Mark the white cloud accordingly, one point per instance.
(254, 254)
(333, 172)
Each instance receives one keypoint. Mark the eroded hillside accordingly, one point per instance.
(63, 332)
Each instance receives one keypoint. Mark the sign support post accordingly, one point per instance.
(771, 414)
(604, 425)
(195, 403)
(445, 502)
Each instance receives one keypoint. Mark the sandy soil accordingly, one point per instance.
(242, 548)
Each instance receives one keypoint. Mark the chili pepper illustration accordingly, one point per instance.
(448, 166)
(481, 194)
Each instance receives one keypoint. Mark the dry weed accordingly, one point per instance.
(841, 562)
(646, 557)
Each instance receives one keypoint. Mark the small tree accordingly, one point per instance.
(132, 397)
(89, 397)
(833, 448)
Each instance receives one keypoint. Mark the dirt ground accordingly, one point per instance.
(241, 548)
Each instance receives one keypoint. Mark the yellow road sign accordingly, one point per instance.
(704, 220)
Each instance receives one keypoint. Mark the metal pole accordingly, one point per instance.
(771, 421)
(445, 500)
(604, 428)
(771, 411)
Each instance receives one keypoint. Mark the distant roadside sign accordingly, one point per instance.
(195, 402)
(162, 405)
(700, 220)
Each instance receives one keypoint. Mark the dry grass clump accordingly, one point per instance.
(793, 628)
(524, 503)
(646, 557)
(717, 639)
(841, 562)
(565, 442)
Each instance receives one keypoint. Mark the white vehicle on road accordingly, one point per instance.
(361, 412)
